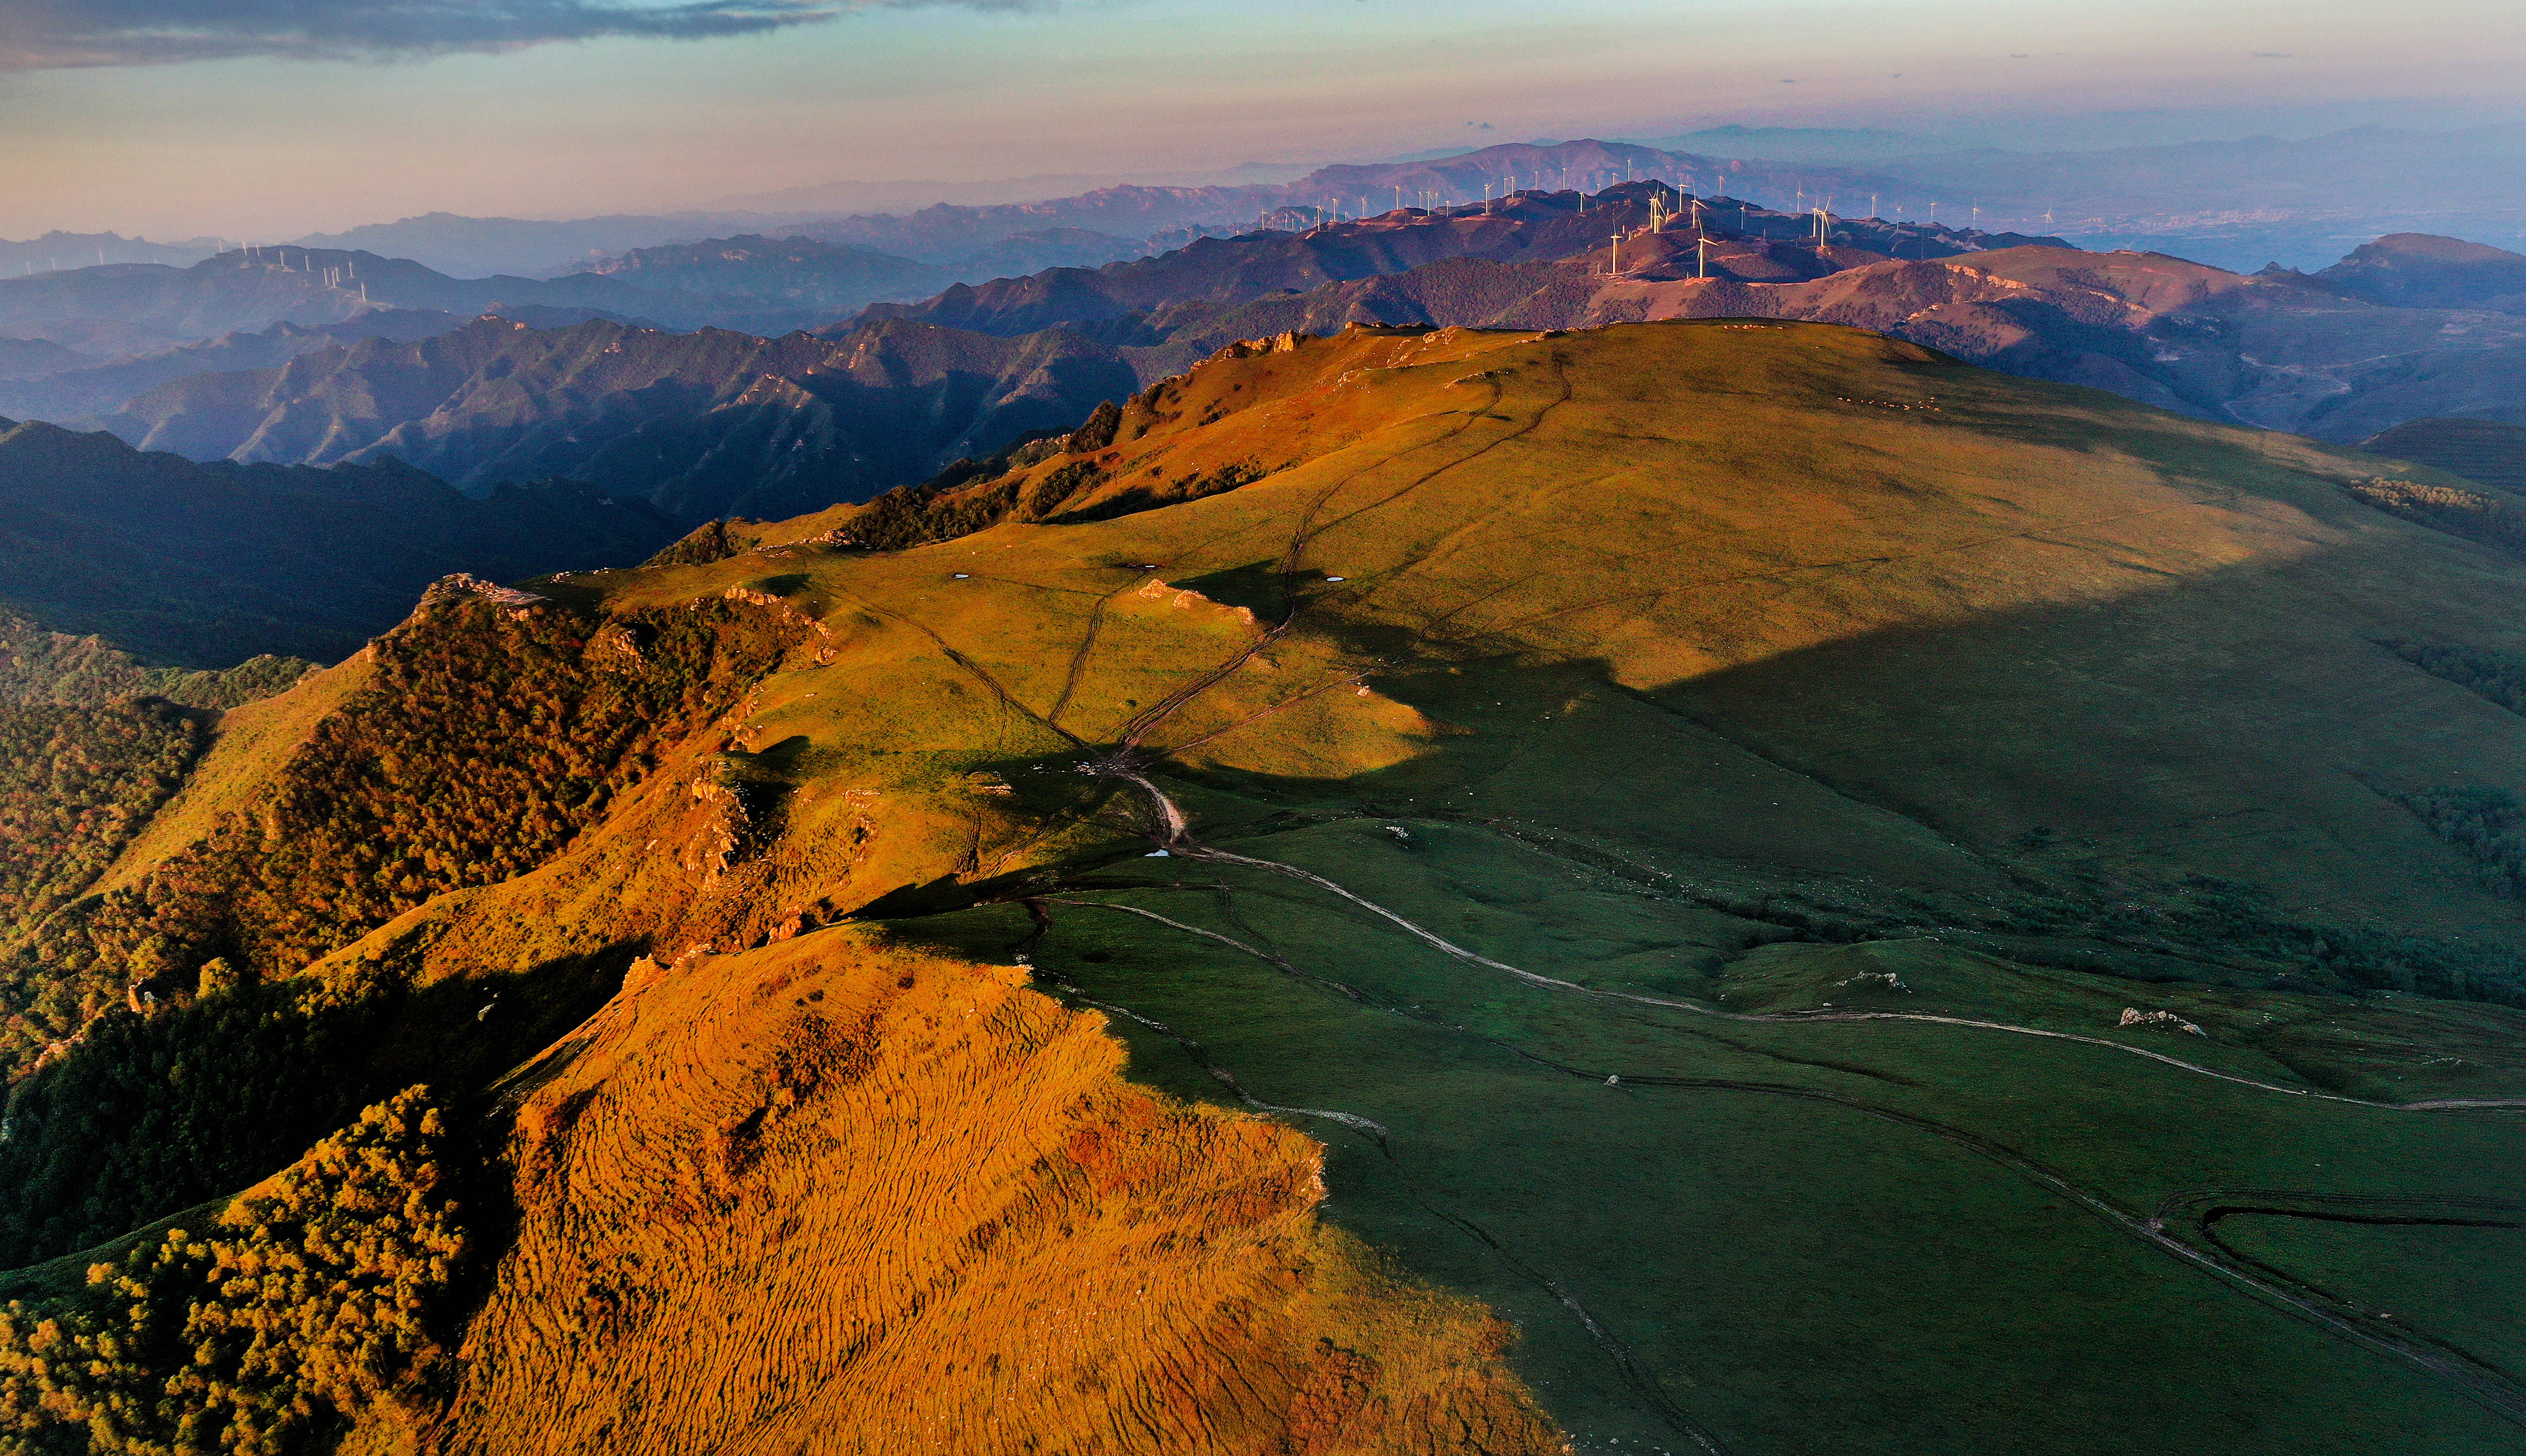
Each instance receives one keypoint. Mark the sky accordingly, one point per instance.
(267, 119)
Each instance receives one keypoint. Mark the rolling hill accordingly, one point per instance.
(1703, 885)
(2274, 352)
(2414, 270)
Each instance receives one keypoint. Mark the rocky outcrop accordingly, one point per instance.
(2168, 1020)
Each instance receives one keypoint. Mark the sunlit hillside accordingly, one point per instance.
(1697, 886)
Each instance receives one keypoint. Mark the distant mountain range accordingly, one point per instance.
(2239, 204)
(1152, 300)
(700, 425)
(133, 307)
(770, 285)
(722, 422)
(203, 565)
(2235, 203)
(96, 389)
(59, 251)
(950, 231)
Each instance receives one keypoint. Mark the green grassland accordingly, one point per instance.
(2043, 704)
(1683, 812)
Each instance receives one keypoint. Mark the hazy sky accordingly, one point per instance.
(270, 117)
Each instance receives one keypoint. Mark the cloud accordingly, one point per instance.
(52, 35)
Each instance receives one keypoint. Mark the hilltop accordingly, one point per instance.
(2415, 270)
(1780, 873)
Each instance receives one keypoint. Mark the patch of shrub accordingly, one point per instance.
(2497, 676)
(705, 543)
(38, 666)
(295, 1311)
(2487, 824)
(153, 1113)
(2470, 514)
(75, 785)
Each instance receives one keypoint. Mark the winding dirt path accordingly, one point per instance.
(2189, 1214)
(1175, 837)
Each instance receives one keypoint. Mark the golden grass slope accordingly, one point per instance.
(832, 1198)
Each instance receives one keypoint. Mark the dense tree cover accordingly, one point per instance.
(299, 1307)
(946, 506)
(1191, 486)
(2497, 676)
(2471, 513)
(2487, 824)
(156, 1112)
(916, 515)
(1057, 487)
(487, 738)
(38, 666)
(74, 784)
(938, 509)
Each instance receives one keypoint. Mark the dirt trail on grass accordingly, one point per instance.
(2485, 1384)
(1173, 836)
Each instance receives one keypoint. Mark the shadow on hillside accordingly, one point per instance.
(2202, 780)
(151, 1113)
